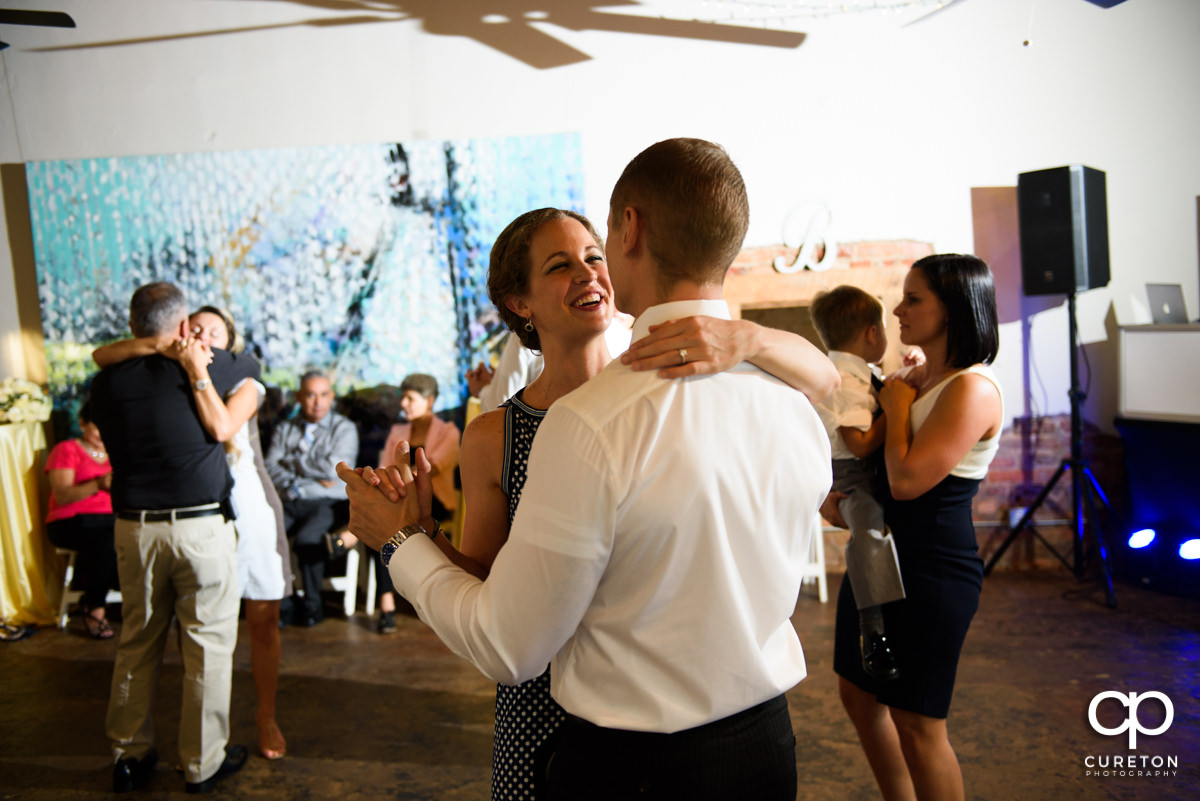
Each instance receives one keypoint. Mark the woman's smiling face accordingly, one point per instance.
(569, 287)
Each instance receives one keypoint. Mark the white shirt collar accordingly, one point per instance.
(851, 364)
(676, 310)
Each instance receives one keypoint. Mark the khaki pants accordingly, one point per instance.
(186, 570)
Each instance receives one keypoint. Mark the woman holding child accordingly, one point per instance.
(943, 423)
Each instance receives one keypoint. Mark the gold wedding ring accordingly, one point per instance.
(683, 355)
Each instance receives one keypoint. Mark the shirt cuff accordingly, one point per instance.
(413, 562)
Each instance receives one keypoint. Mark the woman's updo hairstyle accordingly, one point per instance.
(509, 267)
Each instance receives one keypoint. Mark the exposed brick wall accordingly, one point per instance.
(891, 253)
(1031, 455)
(877, 267)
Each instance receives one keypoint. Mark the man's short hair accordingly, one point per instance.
(424, 385)
(841, 314)
(314, 373)
(155, 308)
(692, 202)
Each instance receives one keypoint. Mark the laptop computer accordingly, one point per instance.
(1166, 303)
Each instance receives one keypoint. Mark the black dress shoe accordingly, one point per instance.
(287, 612)
(129, 773)
(308, 617)
(877, 658)
(235, 757)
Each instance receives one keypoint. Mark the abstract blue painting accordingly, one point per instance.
(368, 261)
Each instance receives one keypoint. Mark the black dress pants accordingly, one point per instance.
(307, 520)
(91, 537)
(750, 755)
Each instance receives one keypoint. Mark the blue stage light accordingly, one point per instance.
(1140, 539)
(1190, 549)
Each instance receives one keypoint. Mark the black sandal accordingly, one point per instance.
(97, 629)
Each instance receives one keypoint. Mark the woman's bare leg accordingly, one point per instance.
(262, 618)
(932, 763)
(880, 742)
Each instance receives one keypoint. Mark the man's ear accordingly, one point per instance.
(629, 232)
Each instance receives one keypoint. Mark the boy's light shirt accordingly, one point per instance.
(854, 403)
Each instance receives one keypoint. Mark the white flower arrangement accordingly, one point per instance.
(23, 401)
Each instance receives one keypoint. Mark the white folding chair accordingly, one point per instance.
(815, 567)
(70, 596)
(346, 584)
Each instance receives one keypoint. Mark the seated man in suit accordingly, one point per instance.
(300, 461)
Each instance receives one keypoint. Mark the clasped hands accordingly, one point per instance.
(386, 499)
(193, 354)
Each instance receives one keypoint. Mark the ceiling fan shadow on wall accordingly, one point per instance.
(950, 3)
(46, 19)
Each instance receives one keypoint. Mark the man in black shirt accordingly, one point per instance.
(176, 547)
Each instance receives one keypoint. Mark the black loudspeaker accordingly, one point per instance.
(1063, 218)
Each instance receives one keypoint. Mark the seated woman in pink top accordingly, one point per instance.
(440, 441)
(81, 516)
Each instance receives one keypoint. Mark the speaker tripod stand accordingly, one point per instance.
(1083, 495)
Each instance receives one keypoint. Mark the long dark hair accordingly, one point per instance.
(965, 287)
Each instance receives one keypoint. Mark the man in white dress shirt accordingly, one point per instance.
(655, 558)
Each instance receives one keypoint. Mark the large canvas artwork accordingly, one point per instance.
(369, 261)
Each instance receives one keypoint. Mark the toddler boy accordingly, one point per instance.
(850, 321)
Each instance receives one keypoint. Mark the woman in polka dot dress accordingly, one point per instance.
(549, 281)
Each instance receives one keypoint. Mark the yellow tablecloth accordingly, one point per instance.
(23, 546)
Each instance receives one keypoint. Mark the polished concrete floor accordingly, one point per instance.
(371, 717)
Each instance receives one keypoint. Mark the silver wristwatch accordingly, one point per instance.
(202, 384)
(389, 547)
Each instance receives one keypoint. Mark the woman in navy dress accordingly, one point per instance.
(943, 427)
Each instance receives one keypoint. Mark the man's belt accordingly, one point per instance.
(159, 515)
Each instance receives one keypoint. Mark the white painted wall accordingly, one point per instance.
(889, 125)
